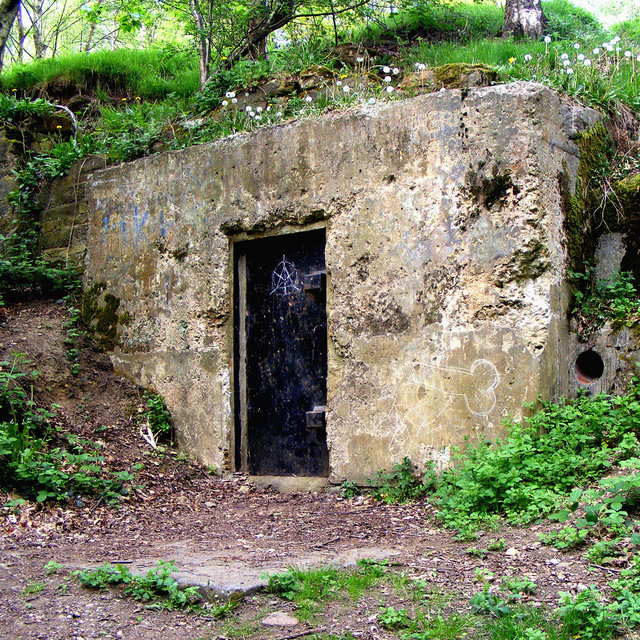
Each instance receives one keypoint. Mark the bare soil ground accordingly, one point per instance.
(180, 509)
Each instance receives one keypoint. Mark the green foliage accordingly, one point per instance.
(520, 585)
(524, 476)
(603, 551)
(38, 461)
(460, 22)
(402, 484)
(33, 587)
(568, 21)
(52, 567)
(496, 545)
(584, 616)
(489, 603)
(565, 538)
(613, 299)
(157, 587)
(392, 618)
(158, 416)
(349, 489)
(477, 552)
(22, 269)
(148, 73)
(130, 132)
(308, 588)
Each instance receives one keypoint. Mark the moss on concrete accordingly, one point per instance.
(458, 75)
(627, 193)
(581, 232)
(100, 314)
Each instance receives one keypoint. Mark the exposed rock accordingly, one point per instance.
(449, 76)
(280, 619)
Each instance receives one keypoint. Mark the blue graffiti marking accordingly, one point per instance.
(138, 224)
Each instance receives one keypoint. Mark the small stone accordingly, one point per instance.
(244, 489)
(209, 505)
(279, 619)
(581, 587)
(512, 551)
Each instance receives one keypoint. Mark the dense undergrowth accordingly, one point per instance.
(37, 458)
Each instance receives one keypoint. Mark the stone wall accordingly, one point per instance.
(445, 259)
(63, 239)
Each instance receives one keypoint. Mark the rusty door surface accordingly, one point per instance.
(281, 355)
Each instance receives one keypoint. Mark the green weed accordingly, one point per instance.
(520, 585)
(52, 567)
(613, 299)
(158, 416)
(402, 484)
(526, 475)
(157, 587)
(33, 587)
(392, 618)
(36, 459)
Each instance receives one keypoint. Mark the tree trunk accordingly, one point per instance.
(8, 13)
(523, 18)
(280, 14)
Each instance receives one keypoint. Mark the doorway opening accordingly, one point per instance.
(280, 354)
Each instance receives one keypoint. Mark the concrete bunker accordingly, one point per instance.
(442, 277)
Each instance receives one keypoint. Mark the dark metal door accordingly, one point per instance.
(282, 355)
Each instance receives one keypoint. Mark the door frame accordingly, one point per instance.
(238, 445)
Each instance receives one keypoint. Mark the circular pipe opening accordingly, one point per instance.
(589, 367)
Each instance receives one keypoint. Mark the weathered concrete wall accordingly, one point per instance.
(445, 260)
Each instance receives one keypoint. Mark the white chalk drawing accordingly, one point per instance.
(416, 408)
(284, 279)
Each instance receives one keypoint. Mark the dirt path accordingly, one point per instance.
(183, 513)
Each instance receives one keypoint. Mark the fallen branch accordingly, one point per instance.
(308, 632)
(598, 566)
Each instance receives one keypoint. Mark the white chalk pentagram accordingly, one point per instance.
(284, 279)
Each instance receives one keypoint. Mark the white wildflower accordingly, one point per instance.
(547, 39)
(581, 57)
(308, 99)
(386, 69)
(596, 51)
(387, 78)
(230, 94)
(339, 83)
(359, 60)
(234, 100)
(564, 56)
(395, 71)
(569, 71)
(371, 100)
(576, 45)
(627, 54)
(224, 103)
(528, 57)
(346, 88)
(389, 89)
(566, 63)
